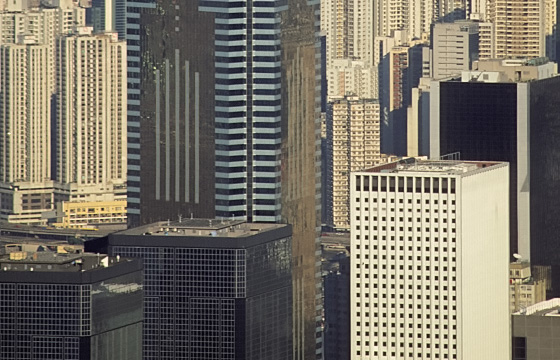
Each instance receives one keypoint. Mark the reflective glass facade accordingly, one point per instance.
(56, 315)
(214, 298)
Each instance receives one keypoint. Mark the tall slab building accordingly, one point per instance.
(508, 111)
(427, 239)
(91, 117)
(224, 120)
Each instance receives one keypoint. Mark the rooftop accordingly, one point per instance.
(202, 228)
(544, 308)
(441, 167)
(51, 261)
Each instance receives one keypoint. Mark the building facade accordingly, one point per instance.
(91, 117)
(213, 289)
(526, 287)
(355, 146)
(70, 306)
(422, 253)
(241, 136)
(26, 188)
(455, 47)
(506, 110)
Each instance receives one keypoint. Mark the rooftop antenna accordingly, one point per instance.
(518, 257)
(191, 216)
(168, 222)
(180, 218)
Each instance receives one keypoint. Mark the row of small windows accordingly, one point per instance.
(413, 184)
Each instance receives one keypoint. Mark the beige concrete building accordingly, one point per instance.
(76, 215)
(356, 146)
(525, 288)
(518, 28)
(91, 112)
(43, 25)
(455, 46)
(25, 110)
(90, 86)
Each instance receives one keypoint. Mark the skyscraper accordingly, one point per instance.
(214, 289)
(70, 306)
(233, 128)
(506, 110)
(91, 117)
(356, 146)
(428, 238)
(25, 121)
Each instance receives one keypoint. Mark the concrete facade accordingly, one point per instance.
(422, 252)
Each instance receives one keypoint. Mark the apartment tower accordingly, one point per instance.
(427, 239)
(25, 121)
(91, 117)
(356, 146)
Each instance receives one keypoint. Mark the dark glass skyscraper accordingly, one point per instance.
(517, 122)
(70, 306)
(213, 290)
(224, 121)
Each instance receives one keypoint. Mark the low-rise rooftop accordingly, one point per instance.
(202, 228)
(544, 308)
(442, 167)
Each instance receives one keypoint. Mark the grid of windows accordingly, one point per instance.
(41, 320)
(404, 263)
(199, 301)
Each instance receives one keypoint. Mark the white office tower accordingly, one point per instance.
(429, 261)
(91, 113)
(25, 110)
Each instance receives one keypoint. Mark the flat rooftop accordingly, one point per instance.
(544, 308)
(440, 167)
(195, 233)
(202, 228)
(50, 261)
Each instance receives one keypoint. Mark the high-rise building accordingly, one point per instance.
(70, 306)
(355, 146)
(403, 68)
(505, 110)
(517, 29)
(454, 47)
(232, 129)
(422, 253)
(337, 312)
(214, 289)
(91, 117)
(108, 16)
(26, 188)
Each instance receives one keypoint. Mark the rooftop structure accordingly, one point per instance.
(433, 166)
(510, 70)
(202, 228)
